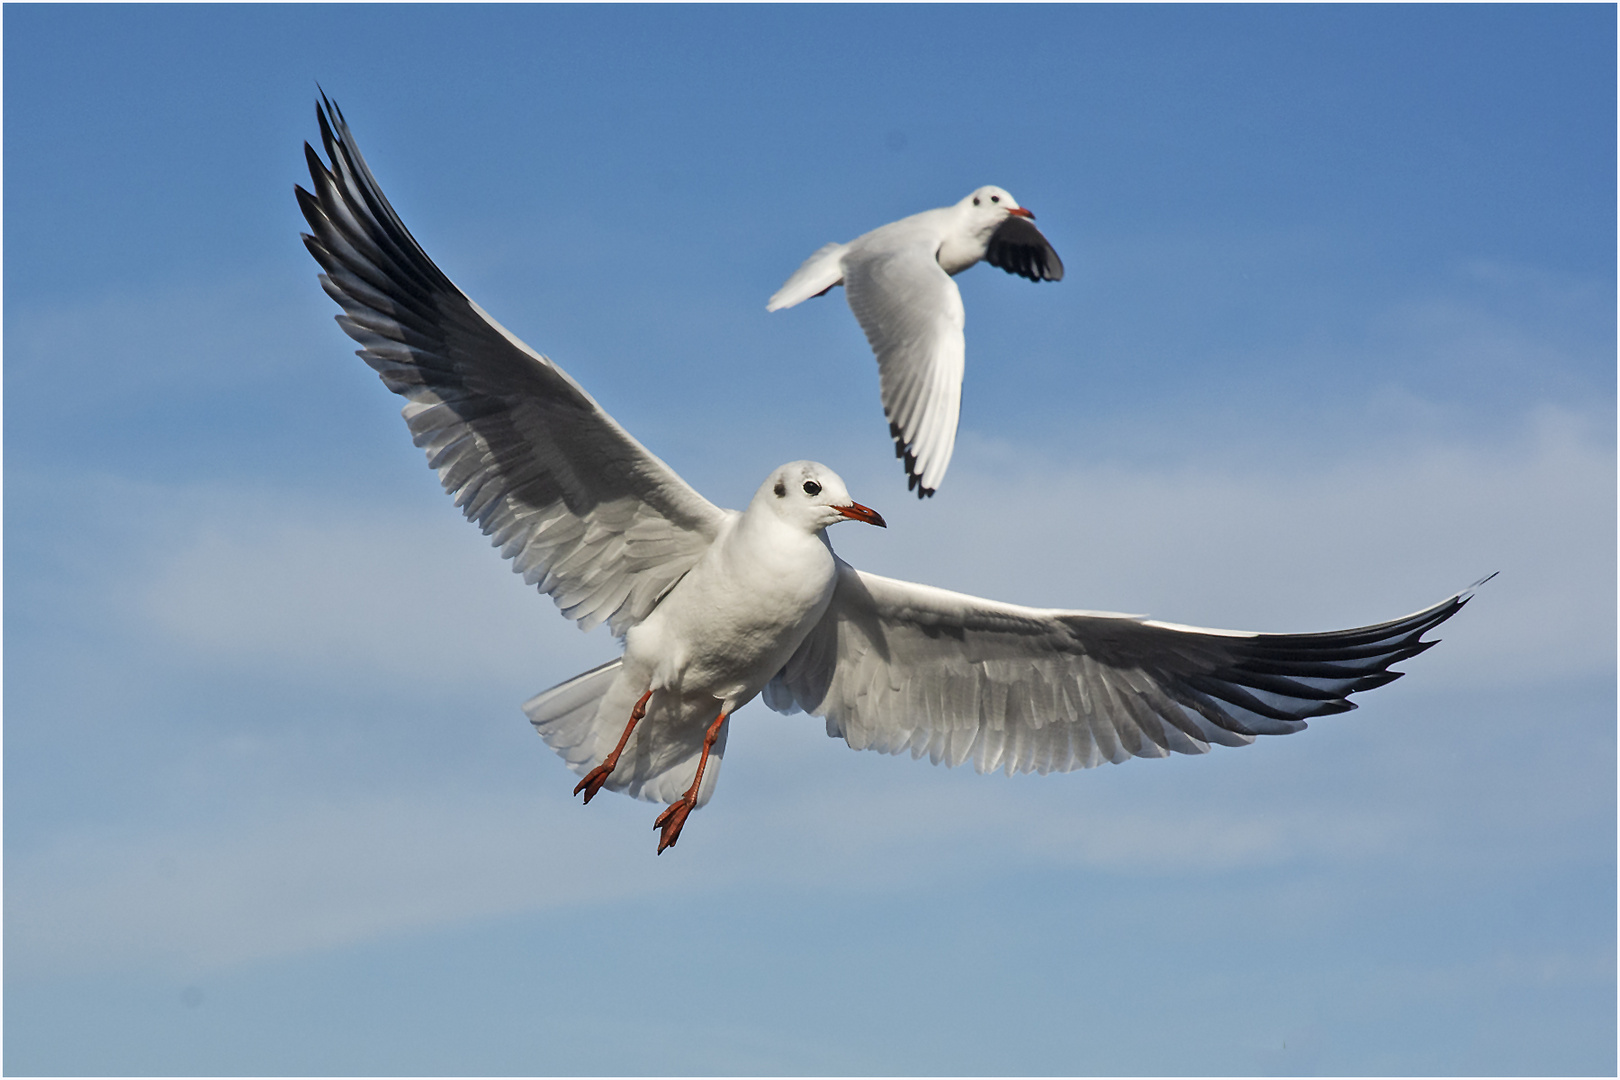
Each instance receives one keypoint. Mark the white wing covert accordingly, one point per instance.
(912, 315)
(584, 511)
(897, 667)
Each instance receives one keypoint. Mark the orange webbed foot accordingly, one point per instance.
(670, 821)
(593, 781)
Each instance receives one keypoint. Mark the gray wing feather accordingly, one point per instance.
(898, 667)
(584, 512)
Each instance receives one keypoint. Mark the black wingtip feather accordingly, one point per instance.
(1333, 655)
(326, 128)
(903, 452)
(309, 204)
(1373, 682)
(317, 167)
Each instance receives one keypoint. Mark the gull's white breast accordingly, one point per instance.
(736, 618)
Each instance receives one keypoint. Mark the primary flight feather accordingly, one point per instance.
(716, 607)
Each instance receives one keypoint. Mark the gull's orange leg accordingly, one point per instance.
(598, 776)
(675, 815)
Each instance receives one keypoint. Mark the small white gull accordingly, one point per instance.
(716, 607)
(897, 279)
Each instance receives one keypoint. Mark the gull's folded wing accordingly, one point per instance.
(900, 667)
(1019, 248)
(912, 314)
(582, 509)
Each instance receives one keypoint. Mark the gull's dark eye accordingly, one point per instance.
(811, 488)
(995, 198)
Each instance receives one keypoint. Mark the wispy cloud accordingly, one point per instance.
(291, 583)
(307, 876)
(317, 869)
(313, 874)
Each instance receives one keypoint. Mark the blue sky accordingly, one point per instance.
(1337, 338)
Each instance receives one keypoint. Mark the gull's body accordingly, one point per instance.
(711, 645)
(716, 606)
(897, 279)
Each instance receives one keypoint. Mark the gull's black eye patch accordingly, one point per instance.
(780, 489)
(811, 488)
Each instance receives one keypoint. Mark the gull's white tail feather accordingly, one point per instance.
(583, 718)
(818, 273)
(565, 715)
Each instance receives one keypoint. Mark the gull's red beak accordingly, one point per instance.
(856, 512)
(1019, 211)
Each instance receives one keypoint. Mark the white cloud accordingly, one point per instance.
(304, 877)
(376, 592)
(304, 871)
(310, 874)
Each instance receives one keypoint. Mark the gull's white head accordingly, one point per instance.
(811, 496)
(995, 203)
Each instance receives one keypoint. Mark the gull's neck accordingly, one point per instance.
(966, 237)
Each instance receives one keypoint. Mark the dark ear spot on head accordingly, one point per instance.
(780, 489)
(975, 200)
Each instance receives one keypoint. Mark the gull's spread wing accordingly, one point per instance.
(900, 667)
(581, 508)
(1018, 247)
(912, 314)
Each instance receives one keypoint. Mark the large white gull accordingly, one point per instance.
(716, 607)
(897, 279)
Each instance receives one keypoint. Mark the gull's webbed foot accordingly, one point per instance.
(674, 816)
(594, 780)
(671, 820)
